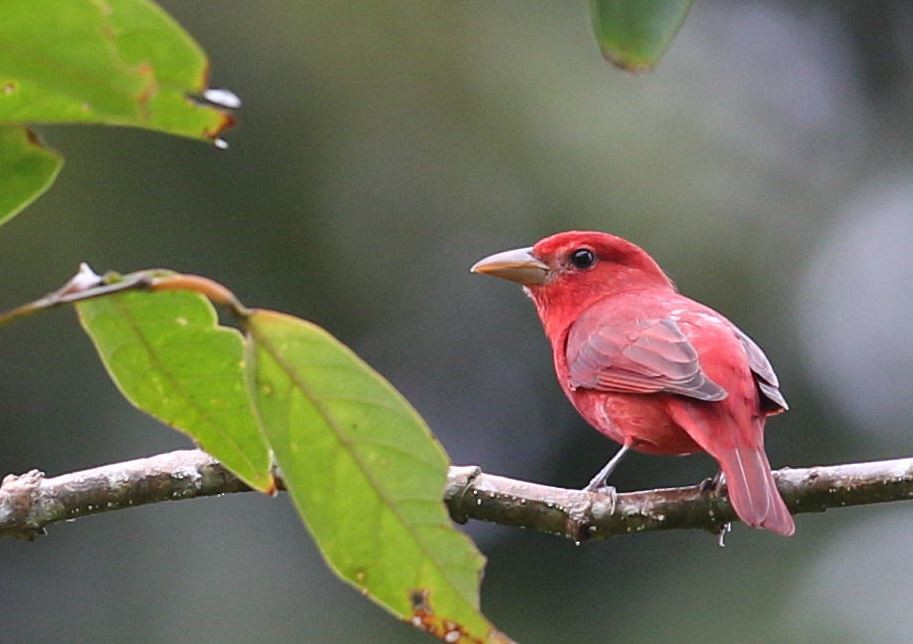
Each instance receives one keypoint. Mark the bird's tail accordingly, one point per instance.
(741, 456)
(752, 490)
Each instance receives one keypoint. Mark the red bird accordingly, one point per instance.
(650, 368)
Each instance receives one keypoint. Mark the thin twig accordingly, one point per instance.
(30, 502)
(84, 285)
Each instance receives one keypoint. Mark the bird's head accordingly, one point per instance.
(566, 272)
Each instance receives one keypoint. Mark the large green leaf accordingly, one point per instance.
(120, 62)
(27, 169)
(634, 34)
(366, 476)
(169, 357)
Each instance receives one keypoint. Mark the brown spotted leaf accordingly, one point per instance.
(366, 476)
(119, 62)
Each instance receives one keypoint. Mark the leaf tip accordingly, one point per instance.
(272, 486)
(629, 65)
(423, 618)
(222, 103)
(225, 122)
(32, 138)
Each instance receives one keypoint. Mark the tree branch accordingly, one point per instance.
(30, 502)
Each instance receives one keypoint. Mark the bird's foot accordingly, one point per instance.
(714, 484)
(725, 529)
(602, 476)
(600, 487)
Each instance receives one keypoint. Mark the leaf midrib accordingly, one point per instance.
(347, 442)
(176, 383)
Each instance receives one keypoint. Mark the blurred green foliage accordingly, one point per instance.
(27, 169)
(634, 34)
(122, 62)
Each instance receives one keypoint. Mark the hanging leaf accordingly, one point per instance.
(27, 169)
(119, 62)
(169, 357)
(634, 34)
(366, 476)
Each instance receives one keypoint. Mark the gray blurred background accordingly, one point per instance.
(384, 147)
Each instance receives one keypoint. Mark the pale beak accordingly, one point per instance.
(519, 265)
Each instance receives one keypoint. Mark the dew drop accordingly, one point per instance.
(222, 97)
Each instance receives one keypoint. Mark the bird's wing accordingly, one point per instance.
(653, 356)
(764, 376)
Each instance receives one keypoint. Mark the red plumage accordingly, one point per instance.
(650, 368)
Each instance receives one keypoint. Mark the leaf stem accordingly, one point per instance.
(212, 290)
(86, 285)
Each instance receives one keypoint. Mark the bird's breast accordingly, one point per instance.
(642, 420)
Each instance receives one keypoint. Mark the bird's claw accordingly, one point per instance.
(601, 488)
(725, 529)
(714, 483)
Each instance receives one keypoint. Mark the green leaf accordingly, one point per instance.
(120, 62)
(27, 169)
(634, 34)
(366, 476)
(168, 356)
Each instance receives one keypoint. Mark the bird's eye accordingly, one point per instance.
(583, 258)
